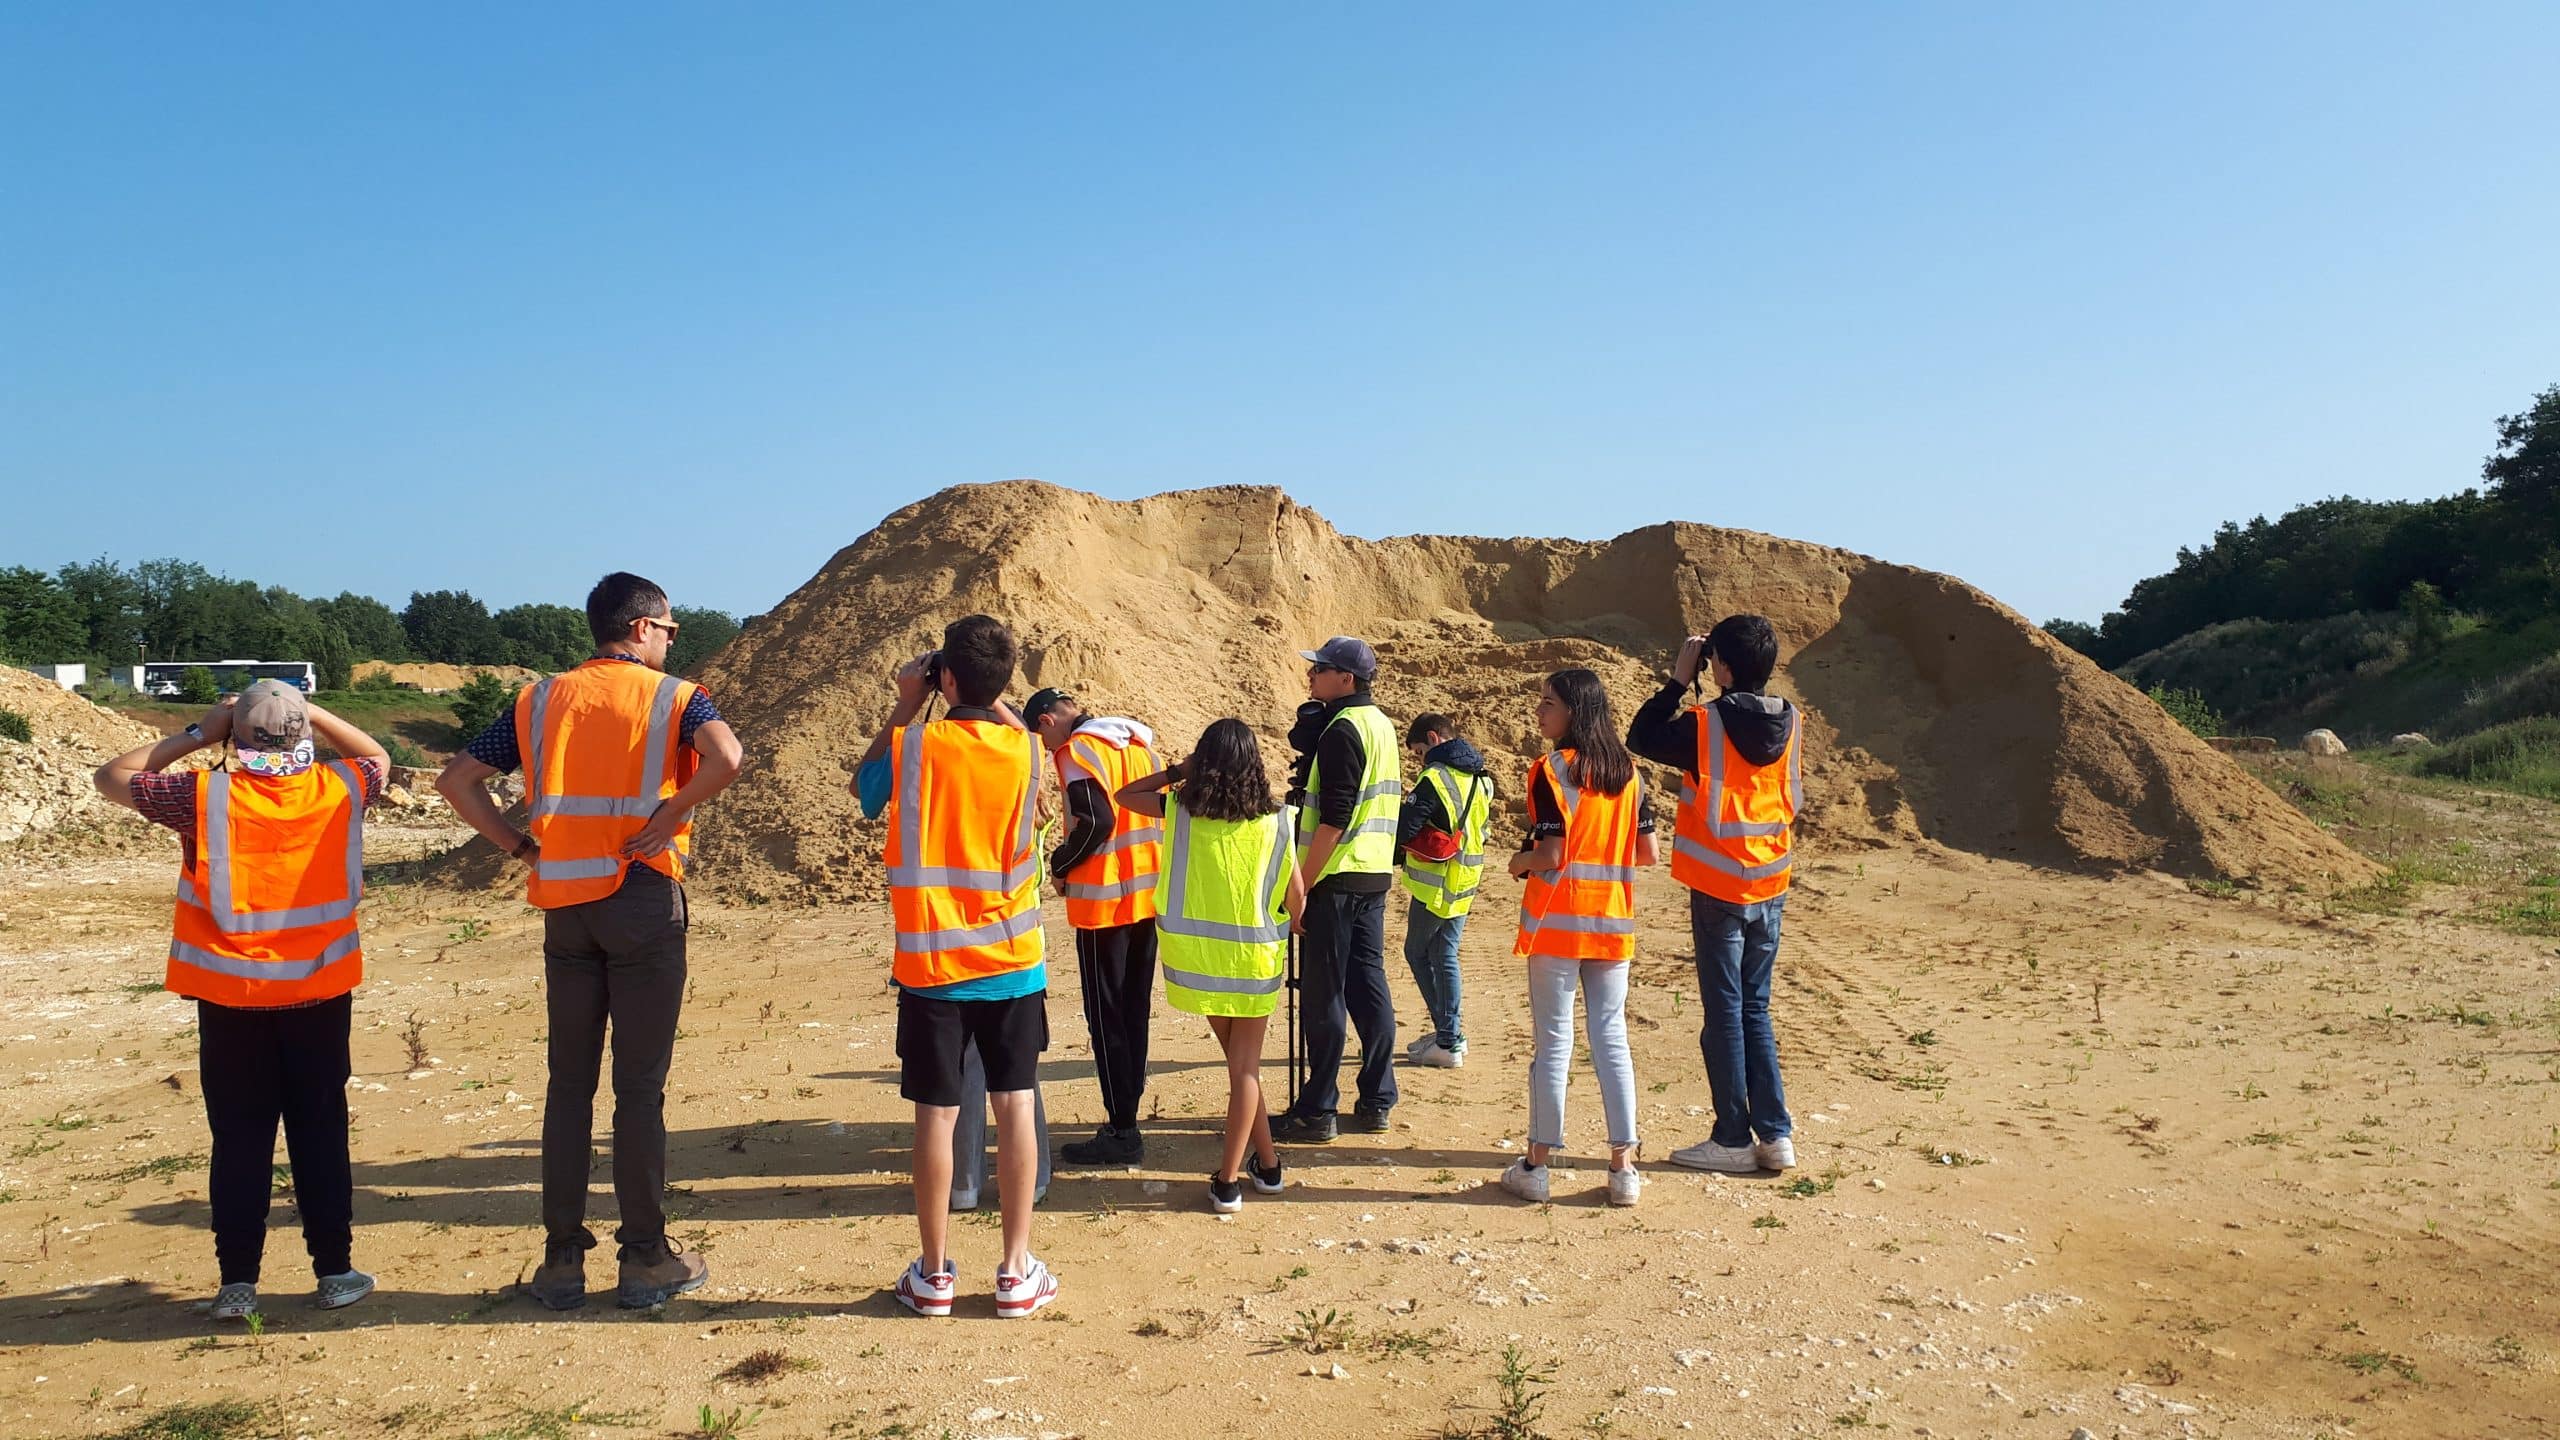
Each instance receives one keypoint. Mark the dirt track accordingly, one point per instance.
(2081, 1153)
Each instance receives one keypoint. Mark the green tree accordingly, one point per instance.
(2430, 619)
(701, 635)
(109, 606)
(372, 629)
(2525, 468)
(2080, 635)
(545, 637)
(452, 627)
(39, 623)
(482, 699)
(2188, 708)
(196, 686)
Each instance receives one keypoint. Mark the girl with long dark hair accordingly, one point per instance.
(1228, 896)
(1588, 837)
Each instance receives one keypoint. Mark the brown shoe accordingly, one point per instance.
(651, 1273)
(561, 1283)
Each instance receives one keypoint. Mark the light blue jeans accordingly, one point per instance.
(969, 1158)
(1604, 1004)
(1431, 950)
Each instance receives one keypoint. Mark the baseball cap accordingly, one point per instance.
(271, 728)
(1345, 652)
(1041, 703)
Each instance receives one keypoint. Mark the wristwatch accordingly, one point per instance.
(195, 732)
(527, 843)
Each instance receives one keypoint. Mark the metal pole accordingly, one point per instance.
(1297, 1060)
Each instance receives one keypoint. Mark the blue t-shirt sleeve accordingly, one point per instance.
(496, 746)
(873, 776)
(698, 712)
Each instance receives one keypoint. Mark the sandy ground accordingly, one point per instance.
(2077, 1154)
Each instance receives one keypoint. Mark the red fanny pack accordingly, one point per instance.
(1433, 845)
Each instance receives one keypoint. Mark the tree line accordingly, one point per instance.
(2492, 551)
(109, 616)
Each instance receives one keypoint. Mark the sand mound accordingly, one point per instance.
(437, 679)
(44, 783)
(1935, 714)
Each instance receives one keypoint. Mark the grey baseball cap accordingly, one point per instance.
(272, 723)
(1345, 652)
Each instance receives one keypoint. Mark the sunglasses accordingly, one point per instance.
(1321, 668)
(669, 626)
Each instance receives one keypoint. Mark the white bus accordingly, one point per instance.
(162, 677)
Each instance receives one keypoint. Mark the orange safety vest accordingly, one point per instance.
(1586, 909)
(1116, 883)
(1735, 837)
(267, 910)
(602, 747)
(963, 852)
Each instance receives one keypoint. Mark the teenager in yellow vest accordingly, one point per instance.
(1227, 900)
(1589, 838)
(1105, 868)
(617, 754)
(1741, 762)
(963, 861)
(265, 943)
(1448, 811)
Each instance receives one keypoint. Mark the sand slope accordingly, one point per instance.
(1935, 713)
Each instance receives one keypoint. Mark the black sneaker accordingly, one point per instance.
(1109, 1148)
(1266, 1181)
(1369, 1122)
(1303, 1129)
(1226, 1196)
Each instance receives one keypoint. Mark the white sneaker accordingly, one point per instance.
(1624, 1185)
(1017, 1296)
(237, 1301)
(1438, 1059)
(1528, 1184)
(928, 1293)
(1778, 1154)
(1726, 1159)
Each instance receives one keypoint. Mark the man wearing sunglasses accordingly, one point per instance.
(616, 757)
(1347, 828)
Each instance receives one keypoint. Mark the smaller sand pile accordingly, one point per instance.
(440, 679)
(44, 783)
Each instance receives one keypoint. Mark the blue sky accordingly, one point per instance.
(502, 297)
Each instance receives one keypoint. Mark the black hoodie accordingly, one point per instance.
(1666, 734)
(1422, 808)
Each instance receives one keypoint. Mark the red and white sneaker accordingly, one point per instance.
(928, 1293)
(1017, 1296)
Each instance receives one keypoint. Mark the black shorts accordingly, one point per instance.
(933, 1036)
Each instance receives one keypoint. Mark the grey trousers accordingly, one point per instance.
(970, 1160)
(616, 962)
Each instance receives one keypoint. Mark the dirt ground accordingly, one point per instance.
(2114, 1156)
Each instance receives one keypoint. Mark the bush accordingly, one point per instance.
(14, 726)
(481, 701)
(2188, 708)
(2520, 695)
(196, 686)
(2521, 755)
(373, 680)
(401, 751)
(109, 692)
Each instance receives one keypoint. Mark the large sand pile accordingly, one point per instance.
(44, 783)
(1935, 714)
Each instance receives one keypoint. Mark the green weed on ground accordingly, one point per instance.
(2521, 755)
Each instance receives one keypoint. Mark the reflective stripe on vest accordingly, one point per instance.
(217, 864)
(1715, 855)
(1585, 908)
(1368, 844)
(203, 959)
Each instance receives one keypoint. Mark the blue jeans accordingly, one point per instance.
(1431, 949)
(1737, 952)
